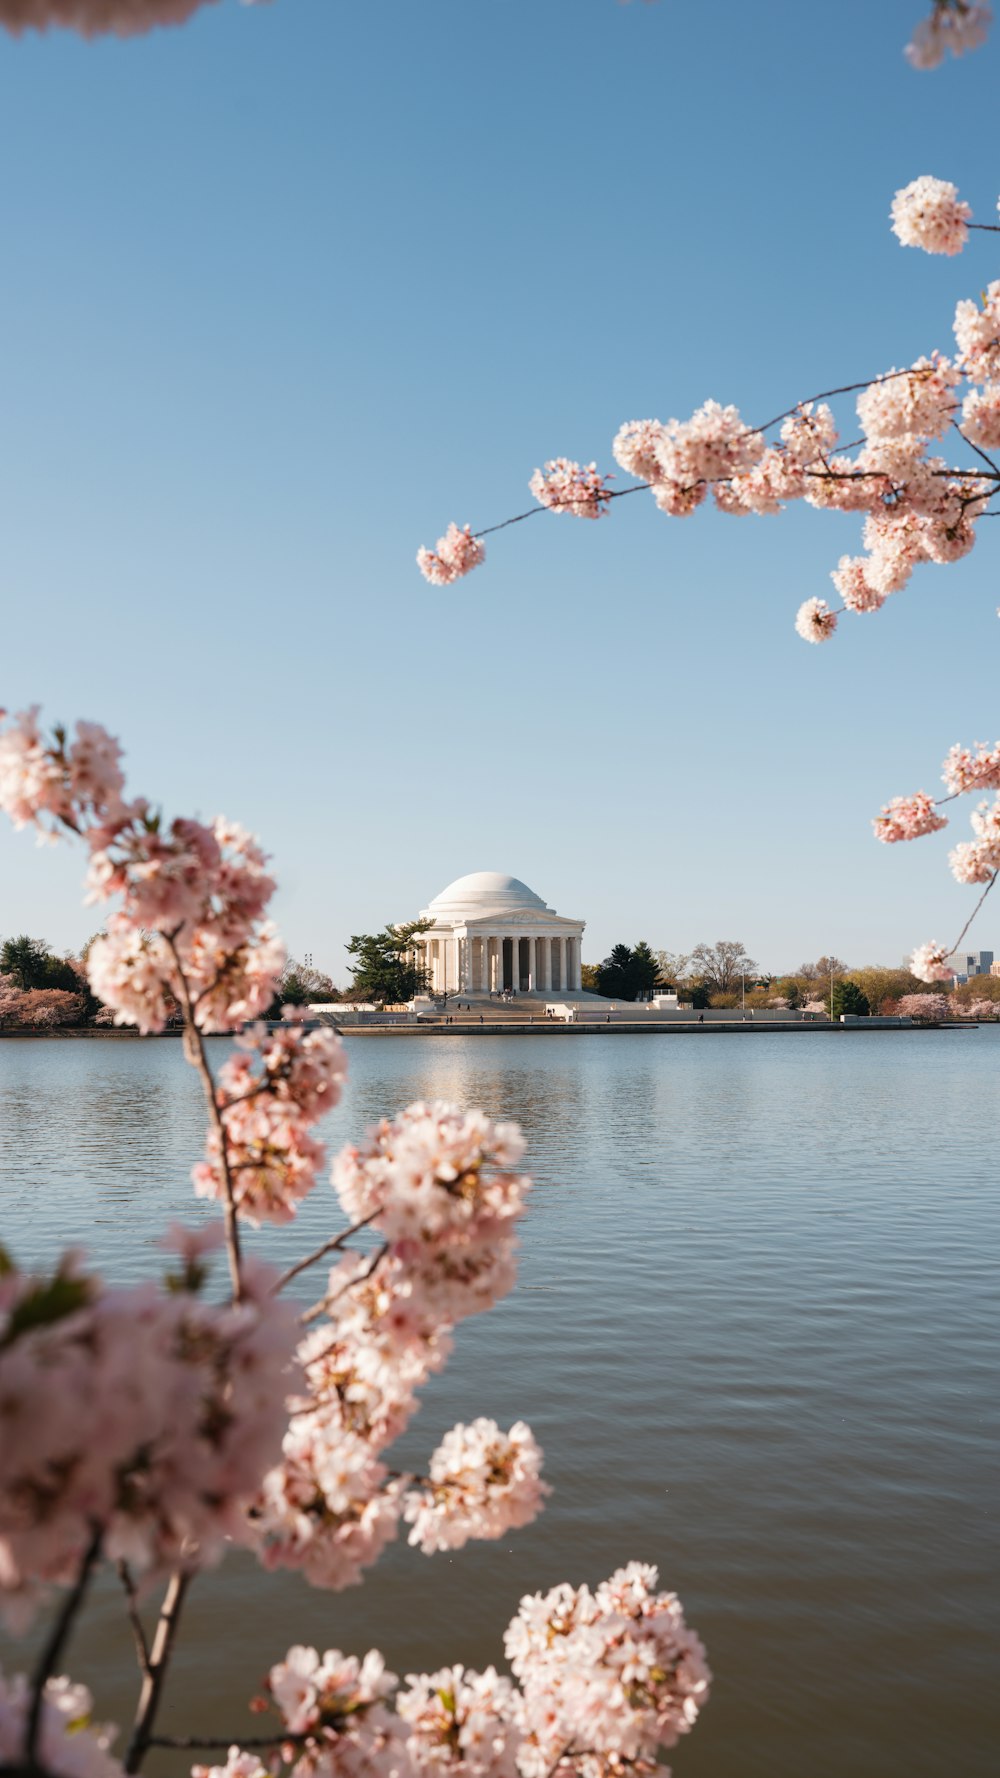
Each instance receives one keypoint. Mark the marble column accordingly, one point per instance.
(545, 971)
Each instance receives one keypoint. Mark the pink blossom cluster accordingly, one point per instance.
(908, 818)
(482, 1483)
(70, 1743)
(965, 770)
(929, 1008)
(440, 1191)
(955, 25)
(929, 213)
(149, 1414)
(977, 334)
(608, 1678)
(341, 1707)
(981, 416)
(462, 1724)
(96, 18)
(605, 1680)
(913, 404)
(814, 621)
(190, 928)
(457, 553)
(565, 486)
(269, 1095)
(238, 1765)
(978, 860)
(929, 963)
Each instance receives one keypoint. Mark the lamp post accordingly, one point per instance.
(831, 991)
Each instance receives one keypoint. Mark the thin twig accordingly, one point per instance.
(135, 1621)
(194, 1046)
(361, 1277)
(159, 1660)
(53, 1647)
(975, 447)
(311, 1259)
(973, 914)
(188, 1743)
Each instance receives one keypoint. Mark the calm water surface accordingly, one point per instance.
(755, 1332)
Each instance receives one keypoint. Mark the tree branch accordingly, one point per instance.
(159, 1660)
(135, 1621)
(194, 1048)
(311, 1259)
(53, 1647)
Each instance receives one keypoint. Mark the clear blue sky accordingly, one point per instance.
(288, 289)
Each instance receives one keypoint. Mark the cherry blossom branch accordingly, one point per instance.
(608, 494)
(974, 912)
(135, 1621)
(53, 1647)
(327, 1302)
(159, 1660)
(194, 1049)
(320, 1252)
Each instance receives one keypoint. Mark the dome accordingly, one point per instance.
(485, 891)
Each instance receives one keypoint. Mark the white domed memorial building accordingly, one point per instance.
(491, 932)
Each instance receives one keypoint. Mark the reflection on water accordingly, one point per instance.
(754, 1333)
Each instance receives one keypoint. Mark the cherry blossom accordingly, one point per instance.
(676, 501)
(809, 433)
(907, 818)
(815, 621)
(981, 416)
(607, 1677)
(927, 1007)
(977, 335)
(955, 25)
(482, 1483)
(461, 1724)
(920, 401)
(635, 448)
(928, 213)
(70, 1743)
(929, 963)
(457, 553)
(150, 1413)
(714, 443)
(850, 579)
(343, 1706)
(965, 770)
(238, 1765)
(94, 18)
(565, 486)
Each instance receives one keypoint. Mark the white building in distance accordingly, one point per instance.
(491, 932)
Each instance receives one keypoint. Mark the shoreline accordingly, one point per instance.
(508, 1028)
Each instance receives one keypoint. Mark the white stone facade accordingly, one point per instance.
(491, 933)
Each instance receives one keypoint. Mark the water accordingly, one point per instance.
(755, 1333)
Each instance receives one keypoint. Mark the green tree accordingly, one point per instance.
(386, 970)
(589, 973)
(628, 972)
(847, 997)
(27, 960)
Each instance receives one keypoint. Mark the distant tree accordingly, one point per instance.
(978, 987)
(924, 1006)
(721, 965)
(847, 997)
(386, 970)
(789, 991)
(26, 960)
(38, 1009)
(589, 973)
(613, 975)
(628, 972)
(822, 970)
(879, 984)
(673, 967)
(301, 985)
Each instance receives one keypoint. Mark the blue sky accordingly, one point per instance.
(287, 290)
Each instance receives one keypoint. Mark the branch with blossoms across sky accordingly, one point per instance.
(156, 1427)
(917, 506)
